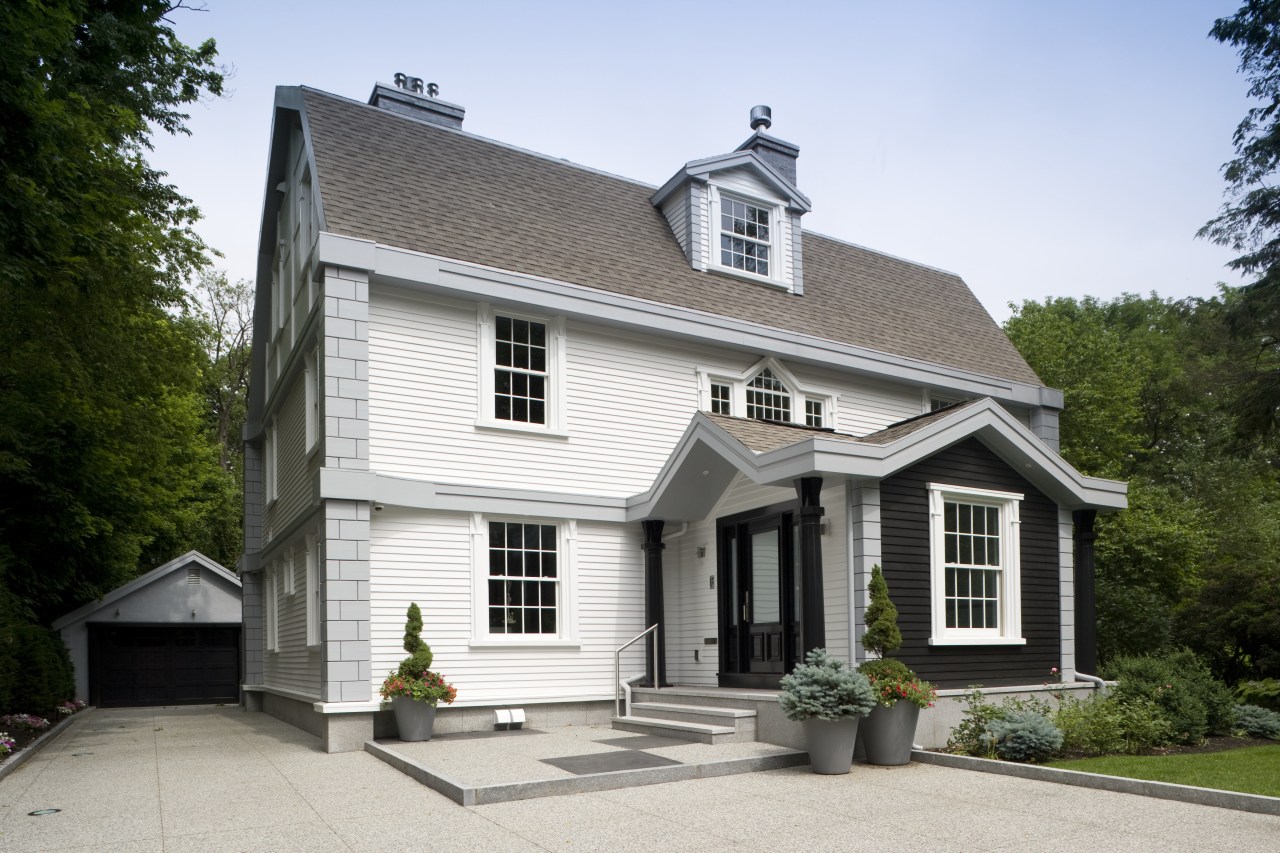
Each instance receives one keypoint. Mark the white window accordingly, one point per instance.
(721, 398)
(313, 395)
(768, 399)
(313, 590)
(521, 372)
(288, 578)
(767, 391)
(974, 550)
(524, 593)
(271, 608)
(745, 243)
(269, 461)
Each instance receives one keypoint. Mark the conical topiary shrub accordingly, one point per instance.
(882, 634)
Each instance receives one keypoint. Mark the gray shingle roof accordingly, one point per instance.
(765, 436)
(413, 185)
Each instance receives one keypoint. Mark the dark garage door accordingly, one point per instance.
(133, 665)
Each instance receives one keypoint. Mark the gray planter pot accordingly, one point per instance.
(830, 744)
(885, 736)
(414, 720)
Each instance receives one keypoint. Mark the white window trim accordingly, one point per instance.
(313, 385)
(778, 220)
(800, 392)
(289, 566)
(270, 463)
(566, 566)
(555, 411)
(271, 608)
(313, 590)
(1010, 632)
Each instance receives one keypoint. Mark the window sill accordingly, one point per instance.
(524, 644)
(516, 426)
(743, 275)
(977, 641)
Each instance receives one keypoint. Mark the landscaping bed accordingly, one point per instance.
(1221, 764)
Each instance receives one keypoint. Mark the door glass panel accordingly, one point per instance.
(731, 551)
(766, 565)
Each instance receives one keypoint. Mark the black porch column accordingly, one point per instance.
(1086, 608)
(813, 625)
(653, 602)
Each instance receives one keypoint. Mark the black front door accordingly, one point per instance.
(758, 601)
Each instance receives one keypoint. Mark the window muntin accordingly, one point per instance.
(974, 542)
(520, 376)
(768, 399)
(744, 236)
(971, 534)
(813, 413)
(721, 399)
(524, 578)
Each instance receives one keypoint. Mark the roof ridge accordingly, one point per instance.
(485, 139)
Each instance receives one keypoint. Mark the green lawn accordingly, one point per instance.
(1251, 770)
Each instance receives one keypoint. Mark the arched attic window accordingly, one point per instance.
(768, 399)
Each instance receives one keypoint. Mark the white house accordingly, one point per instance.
(554, 407)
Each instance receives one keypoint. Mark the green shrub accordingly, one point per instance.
(823, 687)
(43, 677)
(1264, 693)
(1023, 736)
(885, 668)
(969, 737)
(420, 656)
(1257, 722)
(1102, 725)
(882, 634)
(1193, 702)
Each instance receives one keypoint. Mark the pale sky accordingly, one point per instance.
(1037, 149)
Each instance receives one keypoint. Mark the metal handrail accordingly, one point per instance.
(617, 667)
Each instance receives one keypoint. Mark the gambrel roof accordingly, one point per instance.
(402, 182)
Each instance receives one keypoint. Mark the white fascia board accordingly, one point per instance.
(702, 170)
(348, 252)
(475, 282)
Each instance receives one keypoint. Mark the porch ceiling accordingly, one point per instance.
(714, 448)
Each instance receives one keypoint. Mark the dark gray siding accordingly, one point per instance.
(905, 553)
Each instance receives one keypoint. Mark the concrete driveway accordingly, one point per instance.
(221, 779)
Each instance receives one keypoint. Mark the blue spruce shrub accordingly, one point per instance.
(825, 688)
(1024, 736)
(1257, 722)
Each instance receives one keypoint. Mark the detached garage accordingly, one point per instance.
(170, 637)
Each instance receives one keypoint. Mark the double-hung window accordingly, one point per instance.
(313, 589)
(744, 236)
(521, 372)
(975, 546)
(271, 606)
(524, 578)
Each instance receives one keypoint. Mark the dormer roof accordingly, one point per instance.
(702, 171)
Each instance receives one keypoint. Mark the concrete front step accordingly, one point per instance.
(742, 719)
(699, 732)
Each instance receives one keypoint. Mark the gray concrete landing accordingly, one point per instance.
(498, 767)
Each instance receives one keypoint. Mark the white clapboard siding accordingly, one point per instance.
(676, 210)
(692, 605)
(629, 397)
(293, 469)
(425, 557)
(866, 406)
(295, 667)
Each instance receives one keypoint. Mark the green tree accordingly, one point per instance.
(882, 634)
(101, 446)
(1249, 221)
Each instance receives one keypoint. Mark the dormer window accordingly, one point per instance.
(768, 399)
(744, 236)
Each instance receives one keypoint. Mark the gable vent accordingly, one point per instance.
(193, 574)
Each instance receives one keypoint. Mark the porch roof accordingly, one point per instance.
(715, 448)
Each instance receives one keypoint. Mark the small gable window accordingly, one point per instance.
(768, 399)
(767, 391)
(744, 237)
